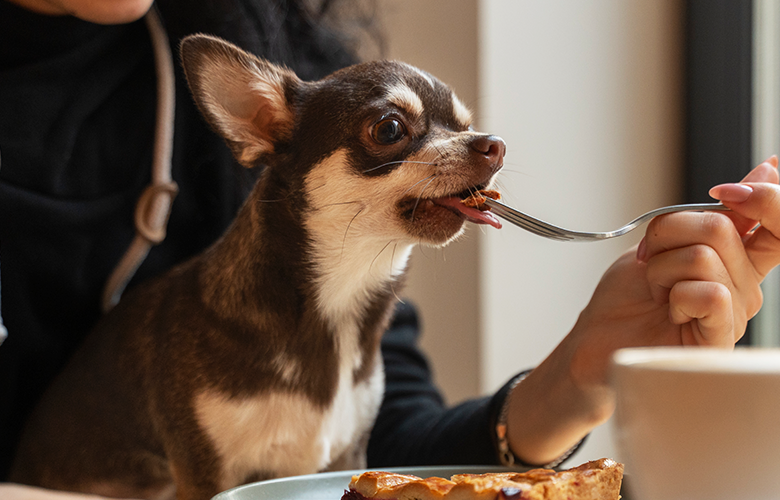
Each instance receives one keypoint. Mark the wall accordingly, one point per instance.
(586, 94)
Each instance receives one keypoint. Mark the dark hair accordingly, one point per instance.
(305, 35)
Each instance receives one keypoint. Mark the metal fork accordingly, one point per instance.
(541, 228)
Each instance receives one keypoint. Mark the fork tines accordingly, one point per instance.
(527, 222)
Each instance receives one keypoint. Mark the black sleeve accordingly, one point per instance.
(414, 427)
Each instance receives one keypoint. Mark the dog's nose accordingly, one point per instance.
(492, 147)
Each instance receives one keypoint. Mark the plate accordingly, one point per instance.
(331, 485)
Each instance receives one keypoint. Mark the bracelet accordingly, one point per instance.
(505, 454)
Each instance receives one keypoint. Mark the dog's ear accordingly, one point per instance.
(244, 98)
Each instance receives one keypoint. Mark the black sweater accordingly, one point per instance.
(77, 113)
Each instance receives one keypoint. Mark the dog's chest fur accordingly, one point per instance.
(280, 434)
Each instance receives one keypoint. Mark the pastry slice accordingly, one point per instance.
(596, 480)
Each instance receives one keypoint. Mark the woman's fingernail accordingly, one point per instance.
(736, 193)
(641, 251)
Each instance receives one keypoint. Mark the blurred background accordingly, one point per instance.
(609, 109)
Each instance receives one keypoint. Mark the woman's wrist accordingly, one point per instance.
(506, 457)
(548, 413)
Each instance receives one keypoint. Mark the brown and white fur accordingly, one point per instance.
(260, 358)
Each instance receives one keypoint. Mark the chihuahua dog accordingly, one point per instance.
(260, 357)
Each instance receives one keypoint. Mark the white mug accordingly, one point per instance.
(698, 423)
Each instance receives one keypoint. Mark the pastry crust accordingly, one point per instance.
(596, 480)
(478, 198)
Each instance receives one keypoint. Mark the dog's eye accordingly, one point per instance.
(388, 131)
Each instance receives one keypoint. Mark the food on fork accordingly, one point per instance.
(478, 198)
(472, 206)
(595, 480)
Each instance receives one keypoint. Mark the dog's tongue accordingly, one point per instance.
(470, 214)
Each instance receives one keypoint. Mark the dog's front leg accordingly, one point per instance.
(195, 477)
(194, 464)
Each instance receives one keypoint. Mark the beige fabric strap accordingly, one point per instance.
(154, 205)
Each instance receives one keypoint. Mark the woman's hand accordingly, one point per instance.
(693, 280)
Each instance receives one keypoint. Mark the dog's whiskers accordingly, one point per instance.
(464, 179)
(276, 200)
(346, 231)
(381, 252)
(417, 202)
(441, 155)
(397, 162)
(432, 176)
(337, 203)
(392, 283)
(392, 262)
